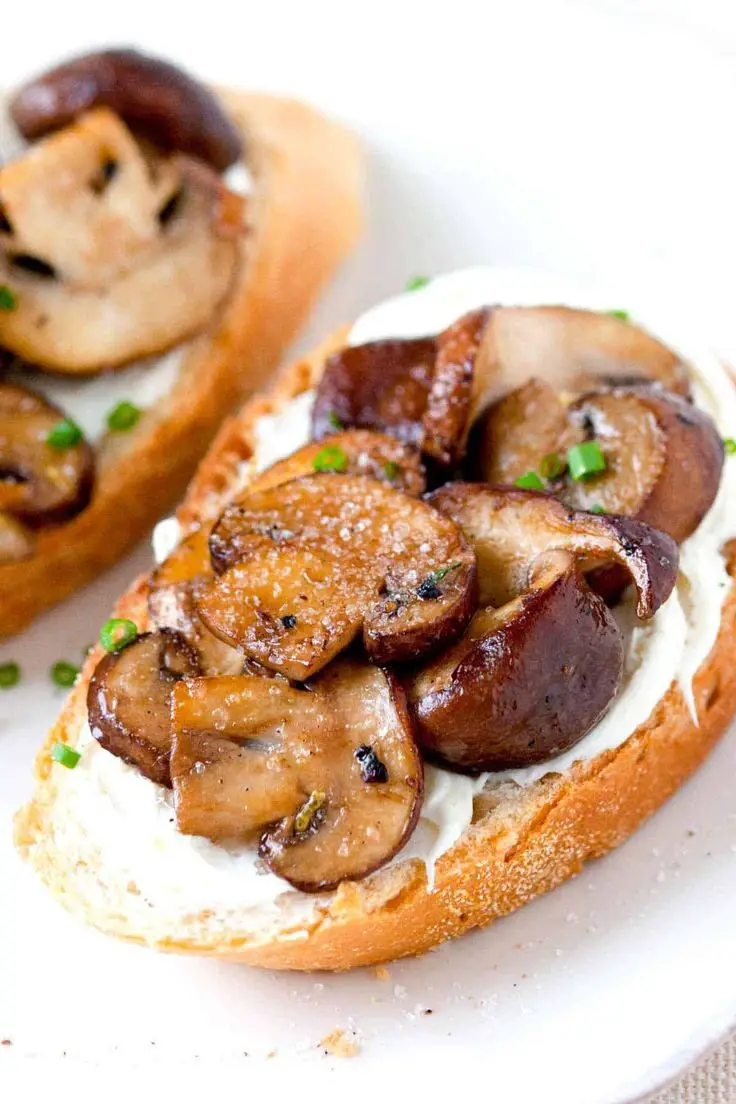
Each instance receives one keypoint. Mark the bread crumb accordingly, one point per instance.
(381, 973)
(340, 1044)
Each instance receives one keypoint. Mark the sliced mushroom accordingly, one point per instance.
(154, 97)
(173, 590)
(16, 542)
(353, 452)
(106, 274)
(663, 456)
(382, 385)
(129, 695)
(539, 666)
(39, 483)
(454, 394)
(330, 776)
(510, 529)
(305, 565)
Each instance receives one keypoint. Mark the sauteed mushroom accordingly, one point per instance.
(330, 776)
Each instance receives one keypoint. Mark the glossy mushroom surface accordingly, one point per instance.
(306, 565)
(39, 483)
(129, 698)
(330, 777)
(111, 252)
(157, 99)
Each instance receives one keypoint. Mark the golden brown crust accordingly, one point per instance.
(523, 842)
(304, 216)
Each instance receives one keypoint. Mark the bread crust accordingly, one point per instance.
(304, 216)
(523, 841)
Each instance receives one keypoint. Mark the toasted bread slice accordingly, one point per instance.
(523, 840)
(304, 216)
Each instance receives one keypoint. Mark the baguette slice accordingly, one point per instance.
(304, 216)
(523, 842)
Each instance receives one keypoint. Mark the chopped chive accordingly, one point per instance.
(8, 298)
(585, 459)
(414, 283)
(9, 675)
(64, 435)
(428, 588)
(596, 508)
(309, 810)
(623, 315)
(68, 757)
(530, 481)
(289, 621)
(551, 465)
(123, 417)
(729, 444)
(330, 459)
(64, 674)
(334, 421)
(117, 633)
(391, 469)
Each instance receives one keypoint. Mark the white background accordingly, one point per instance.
(595, 138)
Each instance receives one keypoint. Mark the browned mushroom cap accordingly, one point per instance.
(527, 681)
(170, 108)
(456, 388)
(382, 385)
(129, 695)
(173, 590)
(510, 529)
(306, 564)
(353, 452)
(112, 254)
(573, 350)
(38, 482)
(332, 773)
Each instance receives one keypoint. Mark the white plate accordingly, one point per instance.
(595, 142)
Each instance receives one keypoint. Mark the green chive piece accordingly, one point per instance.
(68, 757)
(123, 417)
(623, 315)
(308, 811)
(330, 459)
(729, 444)
(8, 298)
(585, 459)
(530, 481)
(551, 465)
(9, 675)
(596, 508)
(334, 421)
(391, 469)
(64, 674)
(64, 435)
(414, 283)
(117, 633)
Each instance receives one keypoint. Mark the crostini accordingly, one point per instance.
(443, 616)
(160, 244)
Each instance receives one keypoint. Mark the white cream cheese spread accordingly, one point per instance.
(133, 820)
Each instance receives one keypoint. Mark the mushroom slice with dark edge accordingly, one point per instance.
(455, 391)
(39, 483)
(305, 565)
(173, 590)
(352, 452)
(538, 667)
(172, 109)
(129, 697)
(105, 275)
(331, 776)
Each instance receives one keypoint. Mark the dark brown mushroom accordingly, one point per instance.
(538, 667)
(330, 776)
(39, 483)
(305, 565)
(352, 452)
(156, 98)
(129, 695)
(173, 590)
